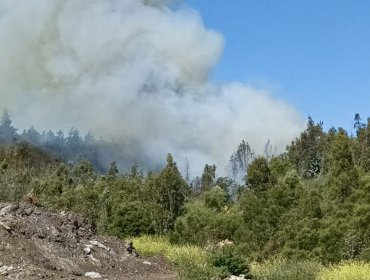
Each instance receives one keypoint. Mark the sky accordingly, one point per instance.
(314, 54)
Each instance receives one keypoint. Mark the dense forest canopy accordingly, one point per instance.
(74, 147)
(70, 147)
(310, 202)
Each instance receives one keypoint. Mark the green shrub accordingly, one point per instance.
(229, 262)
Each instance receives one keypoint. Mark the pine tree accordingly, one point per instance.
(240, 160)
(358, 125)
(208, 177)
(8, 134)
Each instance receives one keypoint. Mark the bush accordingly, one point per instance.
(229, 262)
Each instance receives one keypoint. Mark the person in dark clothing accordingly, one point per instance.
(131, 249)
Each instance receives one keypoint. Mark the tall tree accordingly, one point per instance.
(343, 174)
(268, 150)
(240, 160)
(8, 134)
(358, 124)
(362, 147)
(170, 190)
(208, 177)
(306, 152)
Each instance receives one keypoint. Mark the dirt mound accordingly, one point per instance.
(36, 243)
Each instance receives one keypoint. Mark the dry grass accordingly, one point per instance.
(346, 271)
(192, 261)
(282, 269)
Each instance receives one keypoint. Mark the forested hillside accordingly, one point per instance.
(72, 147)
(311, 202)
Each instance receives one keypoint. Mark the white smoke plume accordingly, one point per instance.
(134, 71)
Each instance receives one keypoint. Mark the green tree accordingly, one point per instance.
(203, 223)
(358, 125)
(259, 175)
(306, 152)
(216, 198)
(208, 177)
(362, 147)
(170, 190)
(343, 174)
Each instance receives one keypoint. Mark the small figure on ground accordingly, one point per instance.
(131, 249)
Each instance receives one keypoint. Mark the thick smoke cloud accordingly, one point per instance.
(135, 72)
(161, 3)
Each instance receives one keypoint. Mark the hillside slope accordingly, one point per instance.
(36, 243)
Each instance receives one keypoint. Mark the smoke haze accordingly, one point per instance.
(132, 71)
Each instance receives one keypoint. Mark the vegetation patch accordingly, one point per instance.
(282, 269)
(346, 271)
(310, 203)
(192, 262)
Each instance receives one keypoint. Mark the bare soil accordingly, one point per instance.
(37, 243)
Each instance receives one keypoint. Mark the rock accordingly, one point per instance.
(93, 275)
(98, 244)
(77, 273)
(8, 209)
(5, 247)
(80, 221)
(28, 211)
(70, 217)
(4, 270)
(233, 277)
(1, 264)
(8, 229)
(94, 260)
(147, 263)
(39, 234)
(225, 242)
(87, 250)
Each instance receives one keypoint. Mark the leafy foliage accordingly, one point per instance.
(229, 262)
(310, 203)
